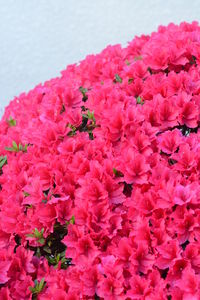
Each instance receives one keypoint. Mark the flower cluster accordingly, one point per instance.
(100, 176)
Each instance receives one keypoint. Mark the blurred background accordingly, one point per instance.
(40, 38)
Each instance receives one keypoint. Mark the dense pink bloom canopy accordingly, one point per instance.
(100, 176)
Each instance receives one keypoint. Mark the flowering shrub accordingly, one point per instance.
(100, 194)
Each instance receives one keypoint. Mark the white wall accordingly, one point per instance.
(38, 38)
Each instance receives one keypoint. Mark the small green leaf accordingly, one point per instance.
(85, 116)
(71, 133)
(38, 235)
(3, 161)
(58, 257)
(38, 286)
(62, 109)
(127, 62)
(83, 92)
(15, 147)
(130, 80)
(41, 241)
(139, 100)
(72, 221)
(29, 206)
(139, 57)
(41, 284)
(47, 249)
(118, 78)
(32, 289)
(30, 235)
(9, 149)
(89, 116)
(25, 148)
(26, 194)
(11, 122)
(117, 173)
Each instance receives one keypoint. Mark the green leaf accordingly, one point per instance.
(72, 221)
(15, 147)
(25, 148)
(26, 194)
(29, 206)
(41, 241)
(85, 116)
(127, 62)
(58, 257)
(30, 235)
(118, 78)
(38, 235)
(139, 57)
(47, 249)
(3, 161)
(38, 286)
(118, 173)
(83, 92)
(41, 284)
(62, 109)
(11, 122)
(9, 149)
(130, 80)
(71, 133)
(139, 100)
(32, 289)
(90, 116)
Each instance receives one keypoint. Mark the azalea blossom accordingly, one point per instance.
(99, 176)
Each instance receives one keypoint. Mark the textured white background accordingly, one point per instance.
(38, 38)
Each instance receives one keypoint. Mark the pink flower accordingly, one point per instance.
(5, 293)
(185, 158)
(192, 254)
(141, 259)
(90, 278)
(183, 194)
(189, 283)
(99, 176)
(190, 115)
(141, 143)
(168, 114)
(4, 267)
(135, 169)
(169, 141)
(167, 253)
(139, 288)
(110, 288)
